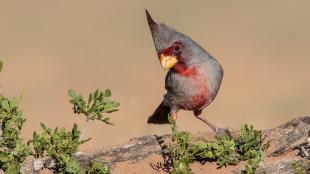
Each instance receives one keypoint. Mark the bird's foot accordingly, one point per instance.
(221, 131)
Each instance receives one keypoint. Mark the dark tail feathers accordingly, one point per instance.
(160, 115)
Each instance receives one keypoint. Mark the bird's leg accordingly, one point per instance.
(217, 130)
(213, 127)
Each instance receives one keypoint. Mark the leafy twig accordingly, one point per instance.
(98, 103)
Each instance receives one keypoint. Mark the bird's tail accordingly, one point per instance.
(160, 115)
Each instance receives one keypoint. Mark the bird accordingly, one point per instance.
(194, 76)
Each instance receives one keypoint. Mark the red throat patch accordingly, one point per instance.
(183, 71)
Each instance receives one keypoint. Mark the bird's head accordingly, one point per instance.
(173, 47)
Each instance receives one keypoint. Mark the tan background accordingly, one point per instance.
(52, 46)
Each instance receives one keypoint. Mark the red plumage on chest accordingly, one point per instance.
(201, 96)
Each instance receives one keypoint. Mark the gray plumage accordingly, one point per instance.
(185, 89)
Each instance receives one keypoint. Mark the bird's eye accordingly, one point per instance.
(177, 48)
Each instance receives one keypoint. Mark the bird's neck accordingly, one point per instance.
(183, 70)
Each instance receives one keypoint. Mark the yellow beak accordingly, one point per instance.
(167, 61)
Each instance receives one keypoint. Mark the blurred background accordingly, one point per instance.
(49, 47)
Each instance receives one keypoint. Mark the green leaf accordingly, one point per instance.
(100, 95)
(14, 103)
(44, 127)
(96, 93)
(72, 93)
(107, 93)
(90, 98)
(75, 132)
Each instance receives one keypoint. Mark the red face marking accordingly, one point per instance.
(179, 67)
(173, 50)
(168, 51)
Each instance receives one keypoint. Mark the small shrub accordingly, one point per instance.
(249, 143)
(225, 150)
(60, 145)
(13, 151)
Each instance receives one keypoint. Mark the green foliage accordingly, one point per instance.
(250, 146)
(222, 150)
(225, 150)
(298, 168)
(13, 150)
(60, 145)
(98, 103)
(202, 151)
(97, 168)
(179, 151)
(249, 143)
(252, 165)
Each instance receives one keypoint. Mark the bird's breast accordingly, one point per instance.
(189, 90)
(197, 98)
